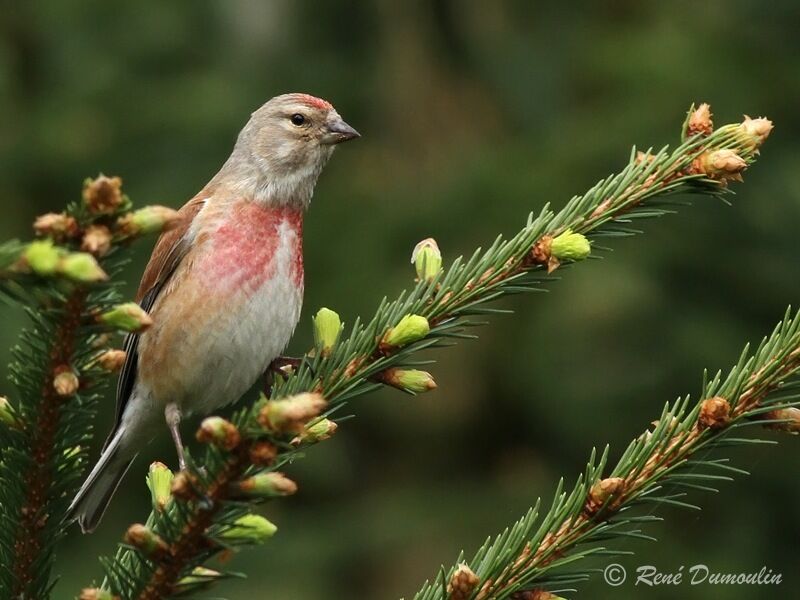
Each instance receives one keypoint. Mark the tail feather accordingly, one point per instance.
(92, 499)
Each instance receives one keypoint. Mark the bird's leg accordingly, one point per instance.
(173, 415)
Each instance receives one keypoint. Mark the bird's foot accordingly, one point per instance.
(283, 366)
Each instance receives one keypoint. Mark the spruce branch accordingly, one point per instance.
(208, 505)
(535, 558)
(59, 369)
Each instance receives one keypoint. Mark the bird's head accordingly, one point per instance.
(289, 140)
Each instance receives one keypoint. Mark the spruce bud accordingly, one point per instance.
(66, 383)
(112, 360)
(291, 414)
(699, 121)
(58, 226)
(103, 196)
(7, 412)
(409, 380)
(427, 259)
(220, 432)
(319, 431)
(411, 328)
(266, 485)
(570, 246)
(757, 130)
(327, 329)
(96, 594)
(128, 317)
(462, 583)
(144, 539)
(43, 257)
(150, 219)
(81, 267)
(714, 413)
(253, 529)
(96, 240)
(723, 164)
(159, 482)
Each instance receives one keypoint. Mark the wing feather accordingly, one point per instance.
(168, 253)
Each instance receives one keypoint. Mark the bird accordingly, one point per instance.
(224, 288)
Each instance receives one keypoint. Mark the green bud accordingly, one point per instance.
(159, 482)
(327, 329)
(144, 539)
(199, 578)
(410, 380)
(43, 257)
(290, 415)
(81, 267)
(410, 329)
(253, 529)
(127, 317)
(220, 432)
(570, 246)
(427, 259)
(267, 485)
(150, 219)
(7, 413)
(319, 431)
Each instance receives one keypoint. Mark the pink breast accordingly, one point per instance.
(243, 249)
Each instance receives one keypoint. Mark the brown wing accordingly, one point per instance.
(167, 255)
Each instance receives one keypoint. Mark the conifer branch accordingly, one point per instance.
(208, 507)
(59, 368)
(535, 559)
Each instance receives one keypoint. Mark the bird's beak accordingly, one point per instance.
(337, 131)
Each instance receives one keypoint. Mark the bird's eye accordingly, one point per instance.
(298, 119)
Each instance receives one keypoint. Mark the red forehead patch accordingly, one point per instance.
(314, 101)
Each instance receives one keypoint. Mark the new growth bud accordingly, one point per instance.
(96, 240)
(112, 360)
(43, 257)
(722, 164)
(409, 380)
(411, 328)
(427, 259)
(757, 130)
(200, 578)
(128, 317)
(103, 196)
(159, 482)
(266, 485)
(65, 383)
(714, 413)
(291, 414)
(604, 493)
(58, 226)
(570, 246)
(81, 267)
(462, 583)
(253, 529)
(145, 540)
(7, 413)
(699, 121)
(319, 431)
(327, 329)
(150, 219)
(218, 431)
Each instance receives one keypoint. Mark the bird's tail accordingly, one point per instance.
(96, 492)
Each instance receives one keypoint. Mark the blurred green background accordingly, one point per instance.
(472, 113)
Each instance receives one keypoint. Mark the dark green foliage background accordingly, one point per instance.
(472, 114)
